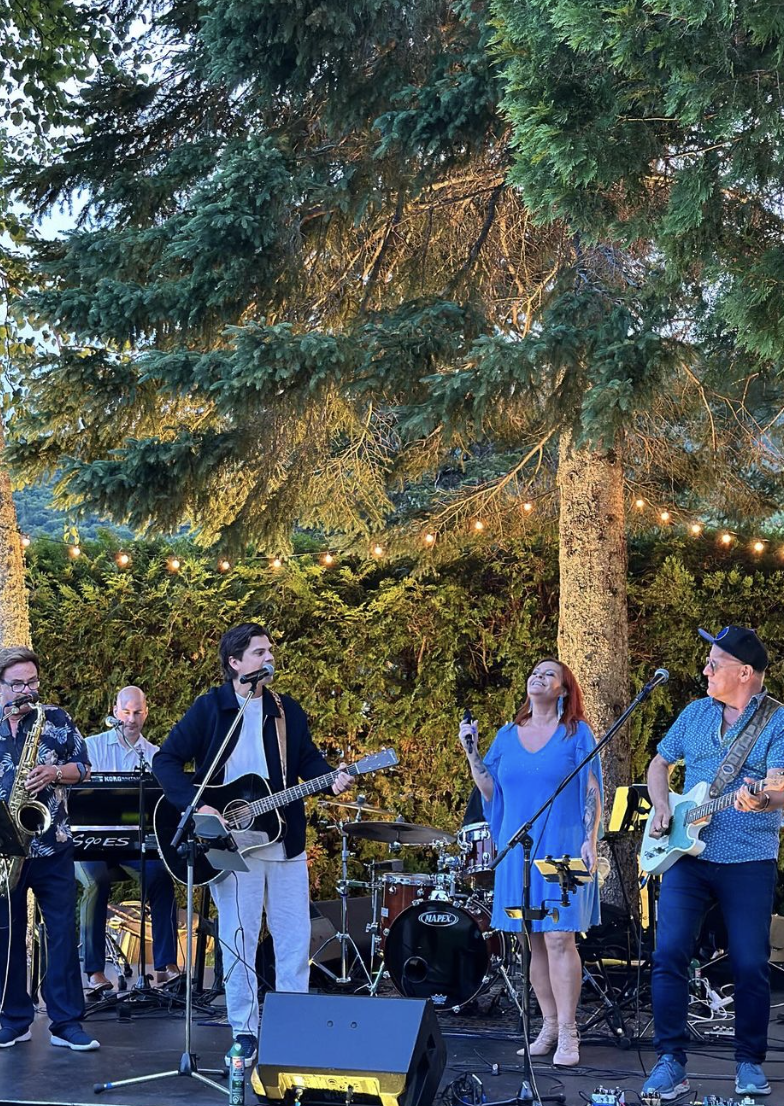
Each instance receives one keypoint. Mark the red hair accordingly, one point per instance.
(574, 704)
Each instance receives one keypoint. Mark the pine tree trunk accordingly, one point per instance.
(14, 618)
(593, 619)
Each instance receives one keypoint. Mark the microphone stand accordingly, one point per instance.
(188, 844)
(522, 836)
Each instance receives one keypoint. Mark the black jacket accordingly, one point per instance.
(197, 737)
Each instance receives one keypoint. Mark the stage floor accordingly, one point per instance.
(484, 1044)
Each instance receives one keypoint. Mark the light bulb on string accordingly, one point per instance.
(478, 525)
(224, 564)
(74, 551)
(25, 539)
(528, 507)
(696, 529)
(122, 559)
(639, 503)
(173, 564)
(758, 547)
(327, 559)
(377, 550)
(276, 563)
(664, 516)
(726, 538)
(429, 538)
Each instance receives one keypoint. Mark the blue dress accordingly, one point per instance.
(522, 782)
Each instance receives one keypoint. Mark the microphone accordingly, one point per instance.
(20, 701)
(660, 676)
(469, 740)
(112, 722)
(266, 670)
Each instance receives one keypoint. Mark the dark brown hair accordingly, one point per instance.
(17, 654)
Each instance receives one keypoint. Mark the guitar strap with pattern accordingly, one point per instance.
(743, 743)
(280, 730)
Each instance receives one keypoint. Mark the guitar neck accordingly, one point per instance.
(722, 802)
(299, 791)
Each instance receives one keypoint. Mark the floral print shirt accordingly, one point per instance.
(60, 743)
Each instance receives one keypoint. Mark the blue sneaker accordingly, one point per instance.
(74, 1037)
(246, 1046)
(750, 1079)
(667, 1079)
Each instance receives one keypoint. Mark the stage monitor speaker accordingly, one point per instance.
(318, 1047)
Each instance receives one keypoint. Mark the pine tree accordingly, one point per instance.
(302, 282)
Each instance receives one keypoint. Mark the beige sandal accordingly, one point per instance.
(546, 1041)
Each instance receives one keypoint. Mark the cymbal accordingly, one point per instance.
(403, 833)
(355, 806)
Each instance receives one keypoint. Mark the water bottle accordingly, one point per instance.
(236, 1075)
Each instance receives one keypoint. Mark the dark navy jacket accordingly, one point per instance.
(197, 737)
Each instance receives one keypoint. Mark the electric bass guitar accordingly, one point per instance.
(248, 803)
(690, 814)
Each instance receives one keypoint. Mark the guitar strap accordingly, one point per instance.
(743, 743)
(280, 730)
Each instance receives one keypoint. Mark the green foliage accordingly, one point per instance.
(377, 655)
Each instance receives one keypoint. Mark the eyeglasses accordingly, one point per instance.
(714, 666)
(20, 685)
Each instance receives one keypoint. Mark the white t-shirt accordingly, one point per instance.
(248, 755)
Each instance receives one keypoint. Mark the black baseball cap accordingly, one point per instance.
(741, 643)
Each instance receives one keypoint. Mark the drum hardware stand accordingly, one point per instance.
(522, 836)
(187, 841)
(344, 938)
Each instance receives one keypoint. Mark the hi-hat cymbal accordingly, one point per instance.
(355, 806)
(402, 833)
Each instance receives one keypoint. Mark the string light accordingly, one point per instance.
(224, 565)
(758, 546)
(664, 516)
(726, 538)
(25, 540)
(74, 551)
(122, 560)
(173, 564)
(639, 504)
(327, 559)
(377, 550)
(276, 563)
(478, 525)
(528, 507)
(696, 529)
(429, 539)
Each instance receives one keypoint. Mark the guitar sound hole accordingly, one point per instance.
(238, 815)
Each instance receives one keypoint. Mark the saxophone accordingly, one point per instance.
(29, 816)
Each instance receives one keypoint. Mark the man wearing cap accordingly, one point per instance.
(736, 870)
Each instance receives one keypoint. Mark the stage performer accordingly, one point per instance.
(124, 748)
(49, 871)
(278, 878)
(737, 869)
(526, 761)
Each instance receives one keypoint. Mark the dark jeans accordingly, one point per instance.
(744, 893)
(52, 881)
(96, 880)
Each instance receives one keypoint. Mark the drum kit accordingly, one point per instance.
(430, 931)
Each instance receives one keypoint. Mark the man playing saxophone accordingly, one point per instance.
(41, 753)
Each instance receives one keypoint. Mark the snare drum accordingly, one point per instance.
(478, 850)
(399, 891)
(444, 952)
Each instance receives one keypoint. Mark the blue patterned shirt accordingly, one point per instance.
(60, 743)
(695, 737)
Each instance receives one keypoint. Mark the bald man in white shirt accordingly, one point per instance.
(124, 748)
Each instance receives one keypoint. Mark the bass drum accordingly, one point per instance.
(443, 952)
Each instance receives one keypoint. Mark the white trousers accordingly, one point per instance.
(280, 889)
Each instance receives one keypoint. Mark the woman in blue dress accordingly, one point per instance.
(527, 760)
